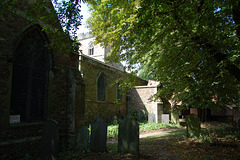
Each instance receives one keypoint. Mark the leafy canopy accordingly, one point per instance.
(191, 46)
(61, 21)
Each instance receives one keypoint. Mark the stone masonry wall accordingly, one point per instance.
(140, 99)
(94, 109)
(12, 26)
(107, 109)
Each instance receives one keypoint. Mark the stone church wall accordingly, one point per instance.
(107, 109)
(18, 139)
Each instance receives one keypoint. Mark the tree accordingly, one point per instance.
(191, 46)
(60, 22)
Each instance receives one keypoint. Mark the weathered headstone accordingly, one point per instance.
(142, 116)
(128, 136)
(98, 138)
(82, 139)
(193, 125)
(165, 118)
(50, 141)
(151, 118)
(175, 116)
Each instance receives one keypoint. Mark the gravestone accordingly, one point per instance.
(50, 141)
(151, 118)
(82, 139)
(128, 136)
(98, 138)
(165, 118)
(193, 125)
(175, 116)
(142, 116)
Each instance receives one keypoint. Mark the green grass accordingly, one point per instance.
(153, 126)
(112, 148)
(112, 131)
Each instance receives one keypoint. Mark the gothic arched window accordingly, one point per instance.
(30, 76)
(101, 87)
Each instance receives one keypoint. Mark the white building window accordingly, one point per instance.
(90, 49)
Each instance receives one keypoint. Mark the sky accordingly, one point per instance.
(86, 14)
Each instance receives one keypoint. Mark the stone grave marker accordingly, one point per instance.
(128, 136)
(193, 125)
(151, 118)
(50, 141)
(142, 116)
(82, 139)
(165, 118)
(98, 138)
(175, 116)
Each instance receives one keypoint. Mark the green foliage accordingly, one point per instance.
(145, 72)
(69, 14)
(112, 148)
(68, 153)
(7, 7)
(134, 114)
(66, 16)
(112, 131)
(192, 47)
(143, 117)
(219, 135)
(60, 24)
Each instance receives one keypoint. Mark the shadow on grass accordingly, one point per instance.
(179, 134)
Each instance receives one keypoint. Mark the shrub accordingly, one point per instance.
(134, 114)
(112, 131)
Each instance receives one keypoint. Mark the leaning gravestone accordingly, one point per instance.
(50, 141)
(98, 138)
(128, 136)
(82, 139)
(193, 125)
(151, 118)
